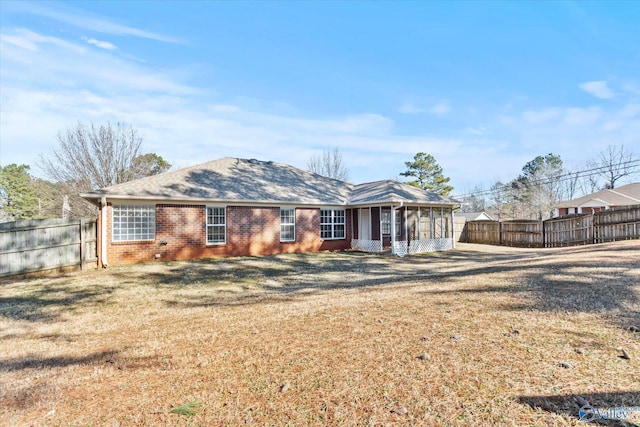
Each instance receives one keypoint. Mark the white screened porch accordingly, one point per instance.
(402, 229)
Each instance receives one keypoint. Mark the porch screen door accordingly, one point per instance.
(364, 231)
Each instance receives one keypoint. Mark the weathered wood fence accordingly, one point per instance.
(570, 230)
(45, 244)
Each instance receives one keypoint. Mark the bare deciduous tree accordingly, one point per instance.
(616, 162)
(329, 164)
(89, 157)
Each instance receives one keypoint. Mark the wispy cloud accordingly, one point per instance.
(439, 109)
(59, 64)
(100, 44)
(599, 89)
(541, 116)
(66, 14)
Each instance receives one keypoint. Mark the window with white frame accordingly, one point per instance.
(216, 225)
(287, 224)
(332, 223)
(385, 222)
(134, 222)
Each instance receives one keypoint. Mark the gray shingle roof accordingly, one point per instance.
(253, 181)
(622, 196)
(393, 191)
(473, 216)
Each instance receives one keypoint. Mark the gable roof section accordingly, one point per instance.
(388, 191)
(231, 180)
(474, 216)
(622, 196)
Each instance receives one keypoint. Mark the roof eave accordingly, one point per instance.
(170, 199)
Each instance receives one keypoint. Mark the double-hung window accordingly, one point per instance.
(134, 222)
(287, 224)
(332, 224)
(216, 225)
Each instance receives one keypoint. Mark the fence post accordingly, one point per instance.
(499, 232)
(81, 244)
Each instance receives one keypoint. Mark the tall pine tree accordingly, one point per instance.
(18, 197)
(428, 174)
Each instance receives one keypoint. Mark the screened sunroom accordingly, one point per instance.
(412, 220)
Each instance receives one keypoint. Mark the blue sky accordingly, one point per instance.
(482, 86)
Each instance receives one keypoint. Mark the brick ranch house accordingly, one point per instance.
(626, 195)
(231, 207)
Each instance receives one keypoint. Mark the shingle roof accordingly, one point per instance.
(622, 196)
(393, 191)
(253, 181)
(472, 216)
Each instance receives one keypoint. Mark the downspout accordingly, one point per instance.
(103, 232)
(393, 226)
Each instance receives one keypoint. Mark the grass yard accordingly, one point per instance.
(481, 335)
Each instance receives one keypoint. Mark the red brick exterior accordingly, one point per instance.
(251, 230)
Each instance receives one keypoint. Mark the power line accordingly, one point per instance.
(557, 178)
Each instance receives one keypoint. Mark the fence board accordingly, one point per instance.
(36, 245)
(522, 233)
(571, 230)
(483, 232)
(617, 224)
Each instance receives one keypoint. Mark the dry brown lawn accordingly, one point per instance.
(513, 337)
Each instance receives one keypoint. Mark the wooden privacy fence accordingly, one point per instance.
(618, 224)
(580, 229)
(44, 244)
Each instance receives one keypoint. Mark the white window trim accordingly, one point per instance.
(333, 224)
(294, 224)
(207, 225)
(114, 206)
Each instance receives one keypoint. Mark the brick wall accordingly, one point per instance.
(181, 235)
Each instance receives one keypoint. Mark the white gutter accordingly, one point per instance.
(103, 232)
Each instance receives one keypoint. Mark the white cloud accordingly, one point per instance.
(439, 109)
(582, 116)
(540, 116)
(60, 64)
(100, 44)
(599, 89)
(69, 15)
(478, 130)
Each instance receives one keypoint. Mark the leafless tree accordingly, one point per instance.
(329, 164)
(617, 162)
(475, 200)
(89, 157)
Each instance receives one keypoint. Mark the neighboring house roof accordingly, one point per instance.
(622, 196)
(474, 216)
(230, 180)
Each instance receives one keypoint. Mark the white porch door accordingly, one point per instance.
(364, 225)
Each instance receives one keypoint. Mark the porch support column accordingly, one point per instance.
(393, 230)
(453, 229)
(406, 226)
(380, 227)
